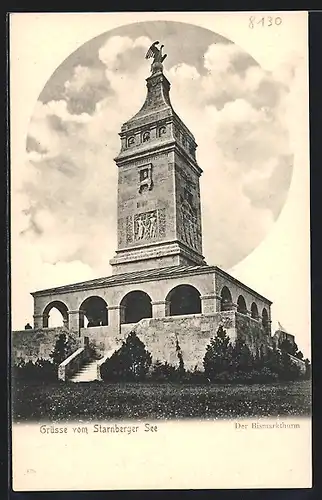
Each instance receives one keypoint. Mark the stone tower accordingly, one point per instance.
(158, 207)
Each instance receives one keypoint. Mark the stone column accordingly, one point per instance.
(158, 309)
(81, 318)
(208, 305)
(45, 320)
(74, 321)
(217, 302)
(115, 314)
(38, 321)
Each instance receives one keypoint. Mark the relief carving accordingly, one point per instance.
(149, 225)
(189, 229)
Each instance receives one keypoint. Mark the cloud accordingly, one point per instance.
(85, 89)
(67, 188)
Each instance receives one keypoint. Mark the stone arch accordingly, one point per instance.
(183, 300)
(254, 311)
(135, 305)
(265, 321)
(241, 305)
(146, 136)
(131, 140)
(59, 306)
(226, 299)
(94, 309)
(162, 130)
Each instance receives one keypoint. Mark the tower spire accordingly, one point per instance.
(159, 213)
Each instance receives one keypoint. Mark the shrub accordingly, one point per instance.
(164, 372)
(195, 377)
(41, 370)
(129, 363)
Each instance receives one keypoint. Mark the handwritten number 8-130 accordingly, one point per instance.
(264, 21)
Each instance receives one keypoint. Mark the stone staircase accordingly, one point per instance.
(89, 371)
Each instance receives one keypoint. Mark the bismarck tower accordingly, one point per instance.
(161, 287)
(158, 212)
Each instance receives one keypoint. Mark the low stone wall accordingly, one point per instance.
(158, 334)
(299, 362)
(193, 333)
(30, 345)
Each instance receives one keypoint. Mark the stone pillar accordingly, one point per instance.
(269, 327)
(81, 318)
(115, 315)
(45, 320)
(217, 302)
(159, 309)
(38, 321)
(74, 321)
(208, 305)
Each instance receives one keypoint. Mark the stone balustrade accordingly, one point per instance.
(73, 363)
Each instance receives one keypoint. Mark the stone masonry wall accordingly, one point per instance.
(251, 331)
(30, 345)
(159, 336)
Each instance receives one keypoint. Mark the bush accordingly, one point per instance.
(41, 370)
(195, 377)
(129, 363)
(164, 372)
(64, 347)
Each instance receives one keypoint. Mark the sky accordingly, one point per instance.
(64, 198)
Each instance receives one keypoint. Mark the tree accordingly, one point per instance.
(181, 369)
(218, 356)
(63, 348)
(242, 358)
(129, 363)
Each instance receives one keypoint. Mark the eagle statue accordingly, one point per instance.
(157, 55)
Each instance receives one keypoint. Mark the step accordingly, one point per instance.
(87, 373)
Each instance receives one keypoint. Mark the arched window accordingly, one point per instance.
(55, 314)
(135, 306)
(226, 300)
(254, 311)
(241, 305)
(162, 131)
(146, 137)
(265, 322)
(95, 312)
(131, 141)
(182, 300)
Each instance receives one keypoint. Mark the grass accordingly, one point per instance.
(97, 400)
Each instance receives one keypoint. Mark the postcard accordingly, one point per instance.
(160, 251)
